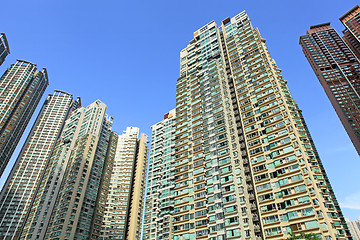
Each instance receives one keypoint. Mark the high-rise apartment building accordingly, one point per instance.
(20, 187)
(351, 21)
(159, 207)
(354, 227)
(68, 203)
(338, 71)
(4, 48)
(21, 88)
(93, 184)
(125, 201)
(245, 165)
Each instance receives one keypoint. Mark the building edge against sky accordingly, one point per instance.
(158, 219)
(351, 32)
(4, 48)
(21, 88)
(71, 198)
(124, 202)
(245, 165)
(336, 65)
(74, 172)
(23, 180)
(226, 180)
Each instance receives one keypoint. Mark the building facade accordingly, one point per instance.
(354, 227)
(20, 187)
(245, 164)
(159, 210)
(65, 205)
(125, 201)
(351, 21)
(4, 48)
(338, 70)
(21, 88)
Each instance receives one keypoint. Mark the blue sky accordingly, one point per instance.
(126, 53)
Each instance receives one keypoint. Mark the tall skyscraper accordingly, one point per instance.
(245, 166)
(159, 208)
(351, 21)
(66, 204)
(21, 88)
(4, 48)
(20, 187)
(93, 186)
(338, 71)
(354, 227)
(124, 203)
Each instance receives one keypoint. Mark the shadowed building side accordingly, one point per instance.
(4, 48)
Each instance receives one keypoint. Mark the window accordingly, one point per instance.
(272, 231)
(266, 197)
(307, 211)
(323, 226)
(311, 224)
(302, 200)
(233, 233)
(270, 219)
(231, 220)
(293, 214)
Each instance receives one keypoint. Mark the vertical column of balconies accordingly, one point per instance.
(231, 57)
(286, 192)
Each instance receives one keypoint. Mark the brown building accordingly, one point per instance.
(338, 70)
(351, 21)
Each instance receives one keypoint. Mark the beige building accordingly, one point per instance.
(21, 88)
(124, 203)
(66, 204)
(245, 164)
(93, 184)
(24, 178)
(354, 227)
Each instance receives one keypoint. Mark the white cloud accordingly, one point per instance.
(352, 201)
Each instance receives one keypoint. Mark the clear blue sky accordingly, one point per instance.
(126, 53)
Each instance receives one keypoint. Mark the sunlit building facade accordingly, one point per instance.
(21, 88)
(125, 200)
(354, 227)
(245, 164)
(66, 204)
(20, 187)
